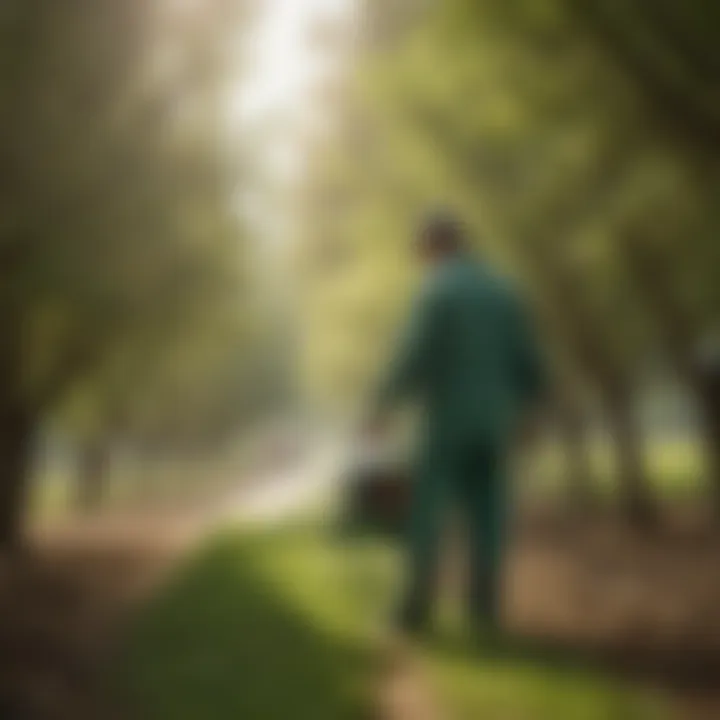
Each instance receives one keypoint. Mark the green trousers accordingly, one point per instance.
(472, 479)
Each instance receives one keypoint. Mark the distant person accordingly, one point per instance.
(470, 358)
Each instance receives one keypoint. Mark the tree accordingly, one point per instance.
(116, 199)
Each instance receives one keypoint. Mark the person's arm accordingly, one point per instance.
(418, 344)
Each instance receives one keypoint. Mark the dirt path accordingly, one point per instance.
(644, 607)
(60, 611)
(405, 692)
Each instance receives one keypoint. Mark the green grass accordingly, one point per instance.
(255, 627)
(283, 625)
(50, 496)
(522, 684)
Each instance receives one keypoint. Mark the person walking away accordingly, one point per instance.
(471, 360)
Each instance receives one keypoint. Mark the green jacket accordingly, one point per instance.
(469, 356)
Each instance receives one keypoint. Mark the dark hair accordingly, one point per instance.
(442, 230)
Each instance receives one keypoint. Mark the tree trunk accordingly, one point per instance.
(18, 419)
(16, 430)
(92, 477)
(709, 401)
(637, 501)
(573, 432)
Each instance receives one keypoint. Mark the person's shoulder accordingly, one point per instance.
(497, 282)
(506, 292)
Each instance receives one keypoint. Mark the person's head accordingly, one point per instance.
(441, 236)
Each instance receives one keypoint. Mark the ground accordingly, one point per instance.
(287, 623)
